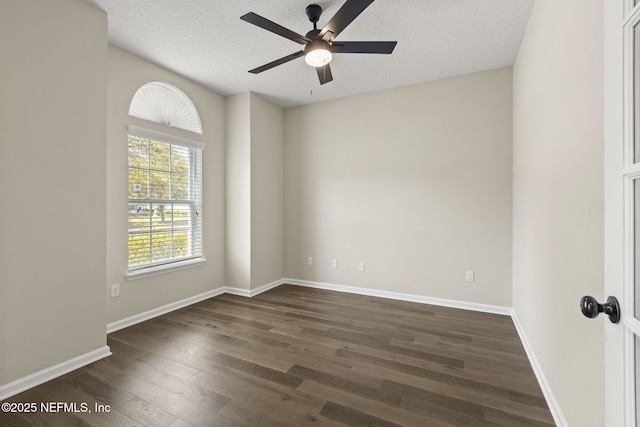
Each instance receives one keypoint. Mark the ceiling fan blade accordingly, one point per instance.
(363, 47)
(324, 74)
(261, 22)
(343, 17)
(277, 62)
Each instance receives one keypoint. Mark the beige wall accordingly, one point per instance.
(238, 191)
(126, 74)
(53, 91)
(267, 192)
(558, 199)
(415, 182)
(255, 194)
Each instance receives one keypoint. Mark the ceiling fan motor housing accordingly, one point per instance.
(313, 34)
(316, 44)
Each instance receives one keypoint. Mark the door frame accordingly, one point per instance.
(619, 174)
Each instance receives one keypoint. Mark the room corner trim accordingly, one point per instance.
(37, 378)
(464, 305)
(554, 406)
(137, 318)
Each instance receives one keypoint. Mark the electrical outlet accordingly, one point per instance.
(310, 260)
(471, 276)
(115, 290)
(361, 266)
(334, 263)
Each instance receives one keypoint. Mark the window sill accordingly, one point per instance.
(161, 269)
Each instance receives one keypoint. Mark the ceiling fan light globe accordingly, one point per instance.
(318, 57)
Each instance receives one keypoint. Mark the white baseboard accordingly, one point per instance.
(552, 402)
(253, 292)
(40, 377)
(147, 315)
(484, 308)
(237, 291)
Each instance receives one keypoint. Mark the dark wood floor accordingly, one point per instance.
(296, 356)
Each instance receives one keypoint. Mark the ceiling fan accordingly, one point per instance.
(320, 44)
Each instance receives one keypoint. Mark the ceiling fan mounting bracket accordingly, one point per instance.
(313, 13)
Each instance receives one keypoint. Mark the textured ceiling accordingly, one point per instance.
(205, 41)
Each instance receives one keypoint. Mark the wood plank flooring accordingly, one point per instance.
(297, 356)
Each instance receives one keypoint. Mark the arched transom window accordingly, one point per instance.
(166, 104)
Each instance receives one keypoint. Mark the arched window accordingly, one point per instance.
(165, 184)
(166, 104)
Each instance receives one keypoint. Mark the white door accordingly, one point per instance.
(622, 208)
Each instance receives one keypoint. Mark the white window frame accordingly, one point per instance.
(151, 269)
